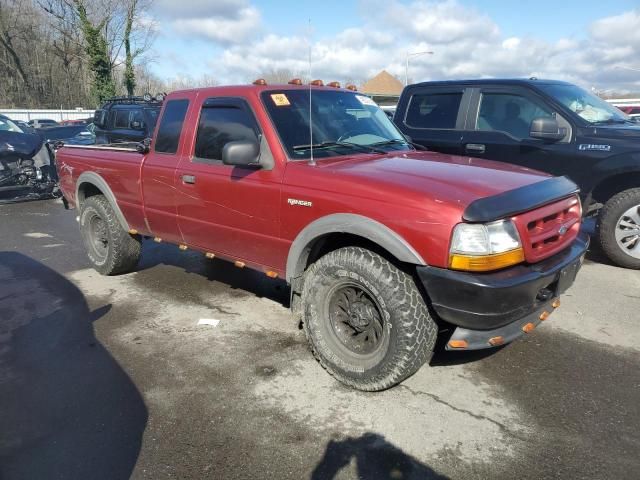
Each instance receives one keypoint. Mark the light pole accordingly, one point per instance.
(406, 68)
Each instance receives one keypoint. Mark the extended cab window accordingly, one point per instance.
(433, 110)
(509, 113)
(171, 126)
(220, 125)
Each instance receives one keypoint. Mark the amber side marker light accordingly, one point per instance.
(495, 341)
(295, 81)
(528, 327)
(239, 264)
(485, 263)
(182, 247)
(210, 255)
(272, 274)
(157, 239)
(544, 316)
(556, 303)
(260, 81)
(133, 231)
(458, 343)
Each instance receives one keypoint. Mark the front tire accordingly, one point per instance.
(110, 248)
(619, 228)
(365, 319)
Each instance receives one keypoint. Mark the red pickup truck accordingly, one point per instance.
(385, 247)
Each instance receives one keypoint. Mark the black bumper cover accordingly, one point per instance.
(489, 301)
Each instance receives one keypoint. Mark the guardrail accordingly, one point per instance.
(57, 115)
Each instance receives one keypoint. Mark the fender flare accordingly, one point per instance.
(352, 224)
(100, 183)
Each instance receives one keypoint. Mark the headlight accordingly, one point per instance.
(484, 247)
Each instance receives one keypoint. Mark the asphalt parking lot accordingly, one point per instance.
(112, 377)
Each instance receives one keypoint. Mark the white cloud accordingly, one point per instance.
(240, 27)
(466, 42)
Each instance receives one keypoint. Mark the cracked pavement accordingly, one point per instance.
(112, 378)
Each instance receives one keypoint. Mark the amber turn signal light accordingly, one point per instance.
(544, 316)
(458, 343)
(528, 327)
(485, 263)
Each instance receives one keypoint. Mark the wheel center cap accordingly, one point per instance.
(360, 316)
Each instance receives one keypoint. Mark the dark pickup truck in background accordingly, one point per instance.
(552, 126)
(384, 246)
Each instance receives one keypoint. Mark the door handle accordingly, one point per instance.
(475, 147)
(188, 179)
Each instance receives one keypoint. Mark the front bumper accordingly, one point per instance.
(500, 304)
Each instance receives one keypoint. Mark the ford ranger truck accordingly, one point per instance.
(385, 247)
(547, 125)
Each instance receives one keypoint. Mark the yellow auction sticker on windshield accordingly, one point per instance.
(280, 99)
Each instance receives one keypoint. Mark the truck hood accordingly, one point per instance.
(417, 177)
(630, 132)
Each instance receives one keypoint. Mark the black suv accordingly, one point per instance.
(545, 125)
(127, 119)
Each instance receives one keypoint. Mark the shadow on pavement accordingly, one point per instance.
(375, 458)
(67, 409)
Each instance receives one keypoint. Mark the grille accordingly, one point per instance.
(549, 229)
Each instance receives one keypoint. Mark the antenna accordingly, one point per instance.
(311, 159)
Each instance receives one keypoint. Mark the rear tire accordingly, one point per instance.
(619, 228)
(365, 319)
(110, 248)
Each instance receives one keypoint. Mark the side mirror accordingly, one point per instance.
(241, 153)
(546, 128)
(100, 118)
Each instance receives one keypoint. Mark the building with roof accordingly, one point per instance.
(384, 88)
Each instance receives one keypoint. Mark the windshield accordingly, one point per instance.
(591, 108)
(7, 125)
(343, 123)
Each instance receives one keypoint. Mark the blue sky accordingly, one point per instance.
(231, 40)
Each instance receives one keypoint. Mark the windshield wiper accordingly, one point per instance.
(331, 144)
(398, 141)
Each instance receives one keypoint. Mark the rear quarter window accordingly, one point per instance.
(171, 126)
(433, 110)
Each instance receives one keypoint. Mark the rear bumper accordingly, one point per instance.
(487, 305)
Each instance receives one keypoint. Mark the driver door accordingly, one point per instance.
(498, 125)
(229, 210)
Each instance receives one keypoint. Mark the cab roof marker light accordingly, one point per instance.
(334, 84)
(260, 81)
(352, 87)
(295, 81)
(317, 83)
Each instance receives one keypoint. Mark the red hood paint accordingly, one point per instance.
(415, 177)
(420, 195)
